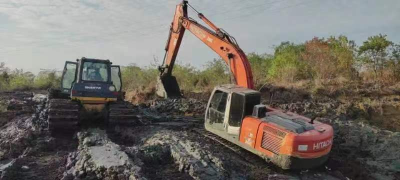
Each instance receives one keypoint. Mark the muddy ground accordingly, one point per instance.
(172, 144)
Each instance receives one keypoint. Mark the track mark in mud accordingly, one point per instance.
(45, 160)
(159, 164)
(156, 161)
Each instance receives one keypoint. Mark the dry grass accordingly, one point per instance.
(141, 95)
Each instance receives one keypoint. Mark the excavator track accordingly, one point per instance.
(123, 113)
(245, 155)
(63, 114)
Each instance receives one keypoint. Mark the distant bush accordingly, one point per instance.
(382, 57)
(187, 76)
(134, 77)
(46, 79)
(317, 62)
(329, 59)
(19, 80)
(288, 65)
(215, 73)
(260, 64)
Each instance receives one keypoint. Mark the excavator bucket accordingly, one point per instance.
(167, 87)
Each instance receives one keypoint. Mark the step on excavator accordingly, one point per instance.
(90, 90)
(234, 112)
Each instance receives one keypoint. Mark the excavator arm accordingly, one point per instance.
(215, 38)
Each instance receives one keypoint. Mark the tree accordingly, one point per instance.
(394, 61)
(216, 72)
(374, 51)
(344, 51)
(260, 65)
(287, 64)
(318, 56)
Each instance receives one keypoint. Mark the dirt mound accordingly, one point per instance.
(200, 96)
(19, 123)
(374, 149)
(141, 95)
(99, 158)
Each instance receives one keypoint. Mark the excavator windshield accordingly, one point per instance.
(95, 71)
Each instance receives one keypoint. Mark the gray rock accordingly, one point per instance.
(38, 98)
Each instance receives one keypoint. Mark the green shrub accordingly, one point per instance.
(215, 73)
(187, 76)
(45, 80)
(20, 80)
(260, 64)
(287, 65)
(134, 77)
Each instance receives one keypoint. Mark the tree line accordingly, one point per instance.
(376, 60)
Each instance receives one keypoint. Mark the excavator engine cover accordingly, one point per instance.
(167, 87)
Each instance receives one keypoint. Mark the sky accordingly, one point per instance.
(43, 34)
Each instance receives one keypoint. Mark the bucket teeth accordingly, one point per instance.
(63, 114)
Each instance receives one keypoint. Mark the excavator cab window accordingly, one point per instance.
(251, 101)
(94, 71)
(236, 110)
(69, 76)
(216, 112)
(241, 106)
(116, 77)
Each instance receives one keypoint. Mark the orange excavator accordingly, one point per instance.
(234, 112)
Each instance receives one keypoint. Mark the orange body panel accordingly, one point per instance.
(248, 133)
(283, 142)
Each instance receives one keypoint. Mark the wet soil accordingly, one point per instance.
(169, 147)
(45, 161)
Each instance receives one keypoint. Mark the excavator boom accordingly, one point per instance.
(215, 38)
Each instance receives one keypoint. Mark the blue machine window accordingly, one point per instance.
(94, 71)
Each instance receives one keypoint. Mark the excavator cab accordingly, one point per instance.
(227, 106)
(91, 89)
